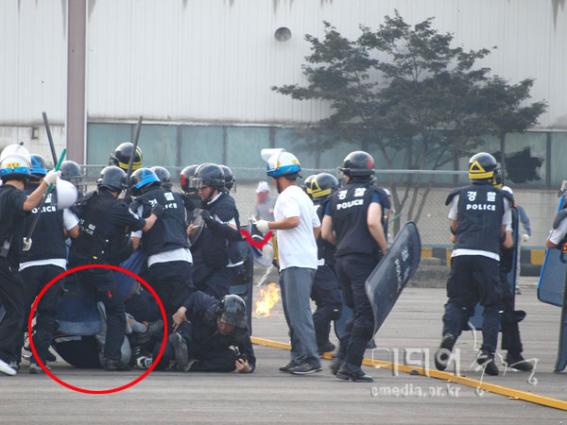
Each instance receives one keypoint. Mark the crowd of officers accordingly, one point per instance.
(330, 238)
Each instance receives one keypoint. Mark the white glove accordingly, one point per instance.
(263, 226)
(525, 237)
(51, 177)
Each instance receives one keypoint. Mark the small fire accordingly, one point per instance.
(269, 297)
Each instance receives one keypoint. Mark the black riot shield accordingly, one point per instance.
(387, 280)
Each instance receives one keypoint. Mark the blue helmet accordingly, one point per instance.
(142, 179)
(38, 166)
(283, 164)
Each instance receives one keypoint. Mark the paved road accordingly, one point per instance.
(268, 396)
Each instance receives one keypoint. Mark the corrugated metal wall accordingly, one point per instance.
(33, 61)
(216, 60)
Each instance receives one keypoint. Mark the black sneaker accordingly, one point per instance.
(304, 369)
(328, 347)
(516, 361)
(287, 367)
(357, 376)
(488, 363)
(115, 366)
(180, 351)
(336, 364)
(443, 354)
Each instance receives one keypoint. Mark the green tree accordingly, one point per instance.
(407, 92)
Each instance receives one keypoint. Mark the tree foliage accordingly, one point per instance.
(409, 93)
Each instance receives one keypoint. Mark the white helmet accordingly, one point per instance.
(15, 162)
(282, 163)
(66, 194)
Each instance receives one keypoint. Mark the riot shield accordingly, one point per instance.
(387, 280)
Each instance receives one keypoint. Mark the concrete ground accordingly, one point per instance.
(268, 396)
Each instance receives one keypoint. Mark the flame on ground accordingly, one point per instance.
(269, 297)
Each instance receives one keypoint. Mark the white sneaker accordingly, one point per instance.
(6, 369)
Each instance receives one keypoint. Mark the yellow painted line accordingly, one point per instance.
(446, 376)
(537, 256)
(426, 252)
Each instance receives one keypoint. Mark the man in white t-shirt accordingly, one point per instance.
(297, 226)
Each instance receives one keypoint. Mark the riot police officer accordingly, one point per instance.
(15, 164)
(44, 260)
(353, 221)
(229, 180)
(121, 156)
(212, 335)
(325, 291)
(104, 219)
(71, 172)
(479, 215)
(163, 175)
(166, 245)
(215, 264)
(193, 201)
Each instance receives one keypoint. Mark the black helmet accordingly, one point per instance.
(307, 184)
(358, 164)
(121, 156)
(208, 174)
(322, 186)
(112, 178)
(185, 178)
(498, 180)
(482, 167)
(71, 171)
(38, 167)
(228, 177)
(142, 179)
(233, 311)
(163, 175)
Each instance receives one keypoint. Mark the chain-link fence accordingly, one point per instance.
(417, 195)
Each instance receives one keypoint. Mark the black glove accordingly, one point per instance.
(158, 210)
(223, 230)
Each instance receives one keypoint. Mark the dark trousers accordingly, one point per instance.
(35, 278)
(12, 298)
(173, 283)
(511, 340)
(101, 282)
(215, 282)
(352, 271)
(327, 297)
(474, 279)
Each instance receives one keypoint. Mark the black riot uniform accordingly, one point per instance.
(166, 244)
(46, 259)
(217, 262)
(12, 230)
(357, 255)
(212, 351)
(104, 220)
(475, 262)
(325, 291)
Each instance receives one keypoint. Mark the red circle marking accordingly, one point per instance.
(86, 390)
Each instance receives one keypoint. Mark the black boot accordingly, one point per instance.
(443, 354)
(516, 361)
(486, 360)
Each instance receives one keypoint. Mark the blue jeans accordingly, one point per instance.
(296, 284)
